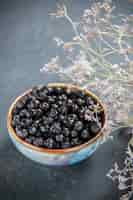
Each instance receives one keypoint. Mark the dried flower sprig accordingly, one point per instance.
(123, 177)
(100, 57)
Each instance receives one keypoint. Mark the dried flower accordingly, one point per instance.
(51, 66)
(60, 12)
(58, 41)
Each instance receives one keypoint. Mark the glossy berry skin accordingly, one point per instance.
(49, 143)
(78, 126)
(21, 133)
(94, 127)
(59, 138)
(32, 130)
(55, 118)
(74, 141)
(45, 106)
(66, 132)
(80, 102)
(55, 128)
(72, 118)
(43, 129)
(85, 134)
(53, 113)
(74, 133)
(19, 105)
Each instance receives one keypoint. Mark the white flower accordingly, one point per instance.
(58, 41)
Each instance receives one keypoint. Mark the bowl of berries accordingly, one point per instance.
(58, 124)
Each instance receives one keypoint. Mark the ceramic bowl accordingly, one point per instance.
(56, 157)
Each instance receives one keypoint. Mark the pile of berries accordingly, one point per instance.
(56, 118)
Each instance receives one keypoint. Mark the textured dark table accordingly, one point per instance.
(25, 45)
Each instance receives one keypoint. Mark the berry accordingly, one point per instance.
(74, 133)
(21, 133)
(36, 103)
(50, 120)
(51, 100)
(37, 122)
(32, 130)
(43, 129)
(80, 102)
(27, 114)
(94, 127)
(39, 113)
(28, 122)
(72, 118)
(55, 106)
(64, 110)
(74, 108)
(19, 105)
(38, 142)
(31, 105)
(85, 134)
(62, 118)
(53, 113)
(45, 106)
(74, 141)
(59, 138)
(23, 113)
(44, 119)
(22, 124)
(65, 123)
(69, 103)
(49, 143)
(78, 126)
(66, 132)
(33, 112)
(55, 128)
(63, 97)
(60, 103)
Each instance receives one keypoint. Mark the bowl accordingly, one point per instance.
(56, 157)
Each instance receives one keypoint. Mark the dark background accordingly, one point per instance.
(26, 33)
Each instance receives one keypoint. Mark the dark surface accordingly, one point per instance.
(25, 45)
